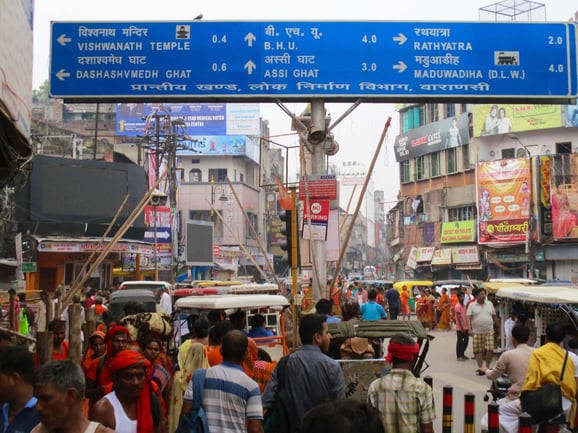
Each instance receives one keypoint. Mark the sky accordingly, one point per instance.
(359, 133)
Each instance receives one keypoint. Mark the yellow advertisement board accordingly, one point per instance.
(491, 119)
(458, 231)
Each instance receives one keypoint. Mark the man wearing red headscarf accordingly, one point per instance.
(99, 375)
(131, 406)
(405, 402)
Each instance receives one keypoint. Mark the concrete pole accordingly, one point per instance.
(318, 168)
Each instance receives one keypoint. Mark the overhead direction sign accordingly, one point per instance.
(264, 61)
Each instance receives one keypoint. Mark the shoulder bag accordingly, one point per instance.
(544, 403)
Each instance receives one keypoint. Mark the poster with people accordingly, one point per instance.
(492, 119)
(504, 196)
(564, 196)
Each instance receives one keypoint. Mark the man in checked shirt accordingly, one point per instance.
(405, 402)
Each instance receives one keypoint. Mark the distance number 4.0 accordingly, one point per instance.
(556, 68)
(369, 39)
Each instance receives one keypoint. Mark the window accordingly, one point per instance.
(255, 222)
(205, 215)
(412, 118)
(434, 163)
(451, 160)
(405, 171)
(462, 213)
(465, 157)
(218, 174)
(450, 110)
(433, 113)
(508, 153)
(195, 175)
(420, 169)
(464, 108)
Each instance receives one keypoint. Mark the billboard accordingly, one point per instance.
(564, 196)
(433, 137)
(200, 244)
(504, 192)
(138, 119)
(491, 119)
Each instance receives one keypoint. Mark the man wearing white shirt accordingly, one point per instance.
(165, 305)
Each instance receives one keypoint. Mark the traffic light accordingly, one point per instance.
(291, 238)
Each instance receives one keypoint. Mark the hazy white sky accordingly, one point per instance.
(360, 132)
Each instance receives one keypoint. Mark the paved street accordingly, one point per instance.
(446, 370)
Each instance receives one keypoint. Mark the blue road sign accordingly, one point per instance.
(263, 61)
(163, 235)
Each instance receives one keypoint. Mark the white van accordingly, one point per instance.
(149, 285)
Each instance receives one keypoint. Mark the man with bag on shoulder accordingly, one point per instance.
(314, 377)
(548, 364)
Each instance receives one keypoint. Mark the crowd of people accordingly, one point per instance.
(129, 385)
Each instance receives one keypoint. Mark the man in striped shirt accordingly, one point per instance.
(405, 403)
(231, 399)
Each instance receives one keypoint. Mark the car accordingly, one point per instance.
(143, 297)
(148, 285)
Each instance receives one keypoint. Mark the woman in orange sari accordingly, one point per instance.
(258, 370)
(422, 308)
(444, 306)
(405, 309)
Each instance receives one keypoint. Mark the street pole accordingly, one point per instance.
(530, 246)
(318, 168)
(155, 258)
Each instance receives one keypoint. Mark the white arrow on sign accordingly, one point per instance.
(400, 38)
(400, 66)
(249, 66)
(250, 38)
(63, 40)
(160, 235)
(62, 74)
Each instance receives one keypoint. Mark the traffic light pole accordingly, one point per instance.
(294, 265)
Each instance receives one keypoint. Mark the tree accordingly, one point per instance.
(40, 95)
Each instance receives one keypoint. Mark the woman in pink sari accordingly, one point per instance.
(563, 220)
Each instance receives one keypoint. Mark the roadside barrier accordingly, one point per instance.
(469, 409)
(525, 423)
(447, 420)
(493, 417)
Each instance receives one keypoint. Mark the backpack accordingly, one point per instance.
(280, 417)
(195, 420)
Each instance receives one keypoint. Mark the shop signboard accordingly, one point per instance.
(504, 196)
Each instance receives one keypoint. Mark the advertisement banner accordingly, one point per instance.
(433, 137)
(425, 254)
(503, 196)
(462, 255)
(219, 145)
(564, 196)
(458, 232)
(491, 119)
(442, 257)
(412, 258)
(138, 119)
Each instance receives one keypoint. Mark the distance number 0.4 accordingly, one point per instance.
(369, 67)
(216, 39)
(369, 39)
(219, 67)
(556, 68)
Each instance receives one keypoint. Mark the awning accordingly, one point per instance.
(57, 244)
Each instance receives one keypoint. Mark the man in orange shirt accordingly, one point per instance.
(59, 346)
(99, 375)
